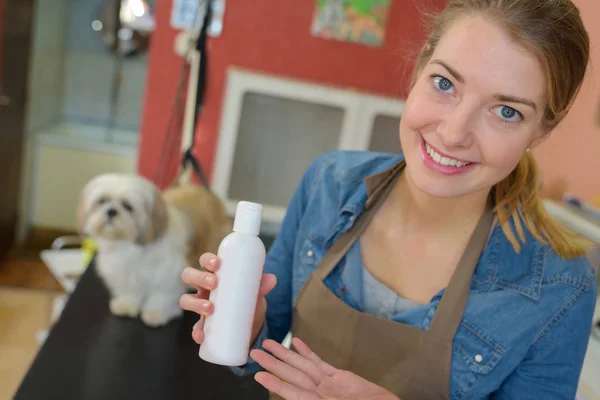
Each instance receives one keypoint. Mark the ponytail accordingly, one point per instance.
(517, 198)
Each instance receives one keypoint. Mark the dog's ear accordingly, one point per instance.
(158, 219)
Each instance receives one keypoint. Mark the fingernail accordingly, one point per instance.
(212, 261)
(205, 305)
(209, 280)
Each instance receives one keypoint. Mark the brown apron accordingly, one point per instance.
(410, 362)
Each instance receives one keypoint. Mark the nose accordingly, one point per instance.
(457, 128)
(112, 212)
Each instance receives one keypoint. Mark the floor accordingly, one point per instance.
(28, 273)
(27, 291)
(22, 313)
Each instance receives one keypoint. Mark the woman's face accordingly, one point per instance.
(474, 110)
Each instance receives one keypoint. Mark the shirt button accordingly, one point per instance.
(309, 253)
(478, 358)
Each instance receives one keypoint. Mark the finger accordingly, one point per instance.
(199, 279)
(200, 306)
(283, 389)
(209, 262)
(267, 284)
(295, 360)
(305, 351)
(199, 324)
(198, 330)
(283, 371)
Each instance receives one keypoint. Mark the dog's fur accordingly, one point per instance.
(149, 240)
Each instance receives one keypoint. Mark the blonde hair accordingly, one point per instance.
(554, 32)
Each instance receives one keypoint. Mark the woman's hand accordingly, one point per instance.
(205, 281)
(304, 376)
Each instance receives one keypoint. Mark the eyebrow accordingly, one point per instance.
(515, 99)
(497, 96)
(450, 70)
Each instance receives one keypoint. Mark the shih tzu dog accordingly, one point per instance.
(146, 238)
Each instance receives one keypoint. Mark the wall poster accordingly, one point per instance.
(358, 21)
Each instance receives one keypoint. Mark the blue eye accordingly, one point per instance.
(508, 114)
(442, 84)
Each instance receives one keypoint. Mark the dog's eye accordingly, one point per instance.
(127, 206)
(102, 200)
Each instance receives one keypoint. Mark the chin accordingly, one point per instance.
(146, 238)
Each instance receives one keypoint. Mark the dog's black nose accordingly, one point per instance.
(111, 212)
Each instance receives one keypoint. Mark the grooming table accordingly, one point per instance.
(90, 354)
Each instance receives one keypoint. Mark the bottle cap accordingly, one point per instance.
(248, 217)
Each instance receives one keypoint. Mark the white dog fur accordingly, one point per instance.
(146, 238)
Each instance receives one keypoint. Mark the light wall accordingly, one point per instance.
(569, 158)
(60, 174)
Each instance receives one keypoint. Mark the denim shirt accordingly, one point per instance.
(527, 322)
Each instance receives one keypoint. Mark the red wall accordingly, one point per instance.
(161, 84)
(272, 37)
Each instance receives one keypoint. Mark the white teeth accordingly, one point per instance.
(444, 160)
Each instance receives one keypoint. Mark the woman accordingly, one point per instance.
(437, 274)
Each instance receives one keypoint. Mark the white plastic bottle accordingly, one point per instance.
(241, 254)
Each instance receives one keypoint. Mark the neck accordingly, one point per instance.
(439, 214)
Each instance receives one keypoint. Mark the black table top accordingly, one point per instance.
(91, 354)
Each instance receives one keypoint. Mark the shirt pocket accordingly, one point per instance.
(310, 251)
(309, 255)
(475, 356)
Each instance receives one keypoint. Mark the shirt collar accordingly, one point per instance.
(365, 194)
(377, 182)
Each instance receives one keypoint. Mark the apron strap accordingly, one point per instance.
(435, 346)
(341, 246)
(453, 303)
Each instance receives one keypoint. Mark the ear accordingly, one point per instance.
(158, 219)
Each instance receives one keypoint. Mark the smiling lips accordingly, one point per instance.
(442, 163)
(438, 158)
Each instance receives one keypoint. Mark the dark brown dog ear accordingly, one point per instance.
(158, 219)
